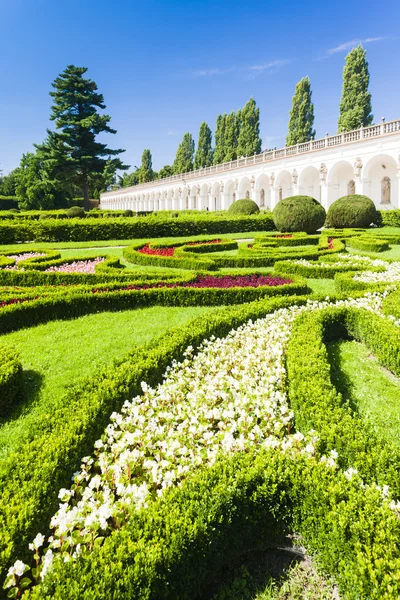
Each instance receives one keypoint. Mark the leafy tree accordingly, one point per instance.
(220, 131)
(129, 179)
(8, 183)
(75, 112)
(184, 156)
(302, 115)
(165, 171)
(249, 141)
(232, 129)
(355, 104)
(204, 152)
(146, 170)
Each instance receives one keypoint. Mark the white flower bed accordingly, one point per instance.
(229, 397)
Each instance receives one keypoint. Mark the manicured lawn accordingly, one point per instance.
(322, 286)
(370, 388)
(57, 355)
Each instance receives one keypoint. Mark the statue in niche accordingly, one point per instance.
(248, 195)
(195, 202)
(351, 187)
(252, 182)
(209, 189)
(272, 179)
(280, 193)
(357, 167)
(295, 176)
(262, 198)
(323, 172)
(385, 190)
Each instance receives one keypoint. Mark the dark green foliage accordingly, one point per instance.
(249, 141)
(146, 172)
(220, 133)
(129, 179)
(204, 152)
(75, 212)
(128, 213)
(183, 162)
(8, 183)
(351, 211)
(165, 171)
(232, 129)
(8, 202)
(10, 378)
(243, 207)
(355, 104)
(299, 213)
(75, 112)
(301, 120)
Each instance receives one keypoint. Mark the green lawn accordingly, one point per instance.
(57, 355)
(370, 388)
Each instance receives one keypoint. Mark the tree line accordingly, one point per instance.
(72, 162)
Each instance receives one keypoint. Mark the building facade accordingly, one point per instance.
(364, 161)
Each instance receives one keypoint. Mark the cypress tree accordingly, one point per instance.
(146, 169)
(301, 115)
(231, 135)
(220, 131)
(204, 153)
(75, 112)
(184, 156)
(249, 141)
(355, 104)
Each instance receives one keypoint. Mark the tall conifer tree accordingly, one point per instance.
(355, 104)
(219, 148)
(146, 169)
(204, 152)
(301, 115)
(249, 141)
(231, 135)
(184, 156)
(75, 112)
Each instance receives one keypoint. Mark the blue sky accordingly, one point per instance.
(165, 66)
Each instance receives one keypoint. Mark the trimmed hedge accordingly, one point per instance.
(353, 210)
(368, 244)
(8, 202)
(316, 402)
(53, 230)
(390, 218)
(317, 271)
(246, 502)
(346, 284)
(31, 477)
(244, 206)
(299, 213)
(10, 378)
(391, 304)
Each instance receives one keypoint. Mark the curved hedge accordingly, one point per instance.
(391, 304)
(316, 270)
(346, 284)
(351, 211)
(299, 213)
(368, 244)
(244, 206)
(10, 378)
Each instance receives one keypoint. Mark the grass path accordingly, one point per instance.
(57, 355)
(370, 388)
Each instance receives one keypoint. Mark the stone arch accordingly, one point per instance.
(204, 196)
(380, 181)
(339, 176)
(215, 197)
(244, 190)
(309, 183)
(229, 190)
(263, 191)
(283, 183)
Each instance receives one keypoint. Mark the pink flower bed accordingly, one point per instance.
(78, 266)
(169, 250)
(210, 281)
(19, 257)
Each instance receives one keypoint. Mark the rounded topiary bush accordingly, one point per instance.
(128, 213)
(243, 207)
(351, 211)
(299, 213)
(75, 212)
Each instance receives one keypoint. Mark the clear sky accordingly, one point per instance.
(165, 66)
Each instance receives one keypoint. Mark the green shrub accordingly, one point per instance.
(346, 284)
(243, 207)
(128, 213)
(391, 304)
(368, 244)
(10, 378)
(351, 211)
(389, 218)
(299, 213)
(75, 212)
(8, 203)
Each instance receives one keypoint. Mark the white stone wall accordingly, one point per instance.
(365, 161)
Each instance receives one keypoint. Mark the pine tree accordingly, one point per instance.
(249, 141)
(75, 112)
(232, 130)
(146, 170)
(355, 104)
(204, 153)
(220, 131)
(302, 115)
(184, 156)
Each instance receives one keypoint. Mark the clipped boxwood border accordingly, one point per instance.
(10, 378)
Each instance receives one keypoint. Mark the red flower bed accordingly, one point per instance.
(169, 250)
(289, 235)
(210, 281)
(330, 243)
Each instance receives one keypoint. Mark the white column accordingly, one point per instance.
(396, 201)
(324, 195)
(359, 185)
(274, 196)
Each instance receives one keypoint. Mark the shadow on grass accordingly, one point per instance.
(339, 378)
(32, 382)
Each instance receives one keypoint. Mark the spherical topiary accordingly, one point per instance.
(299, 213)
(75, 212)
(351, 211)
(243, 207)
(128, 213)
